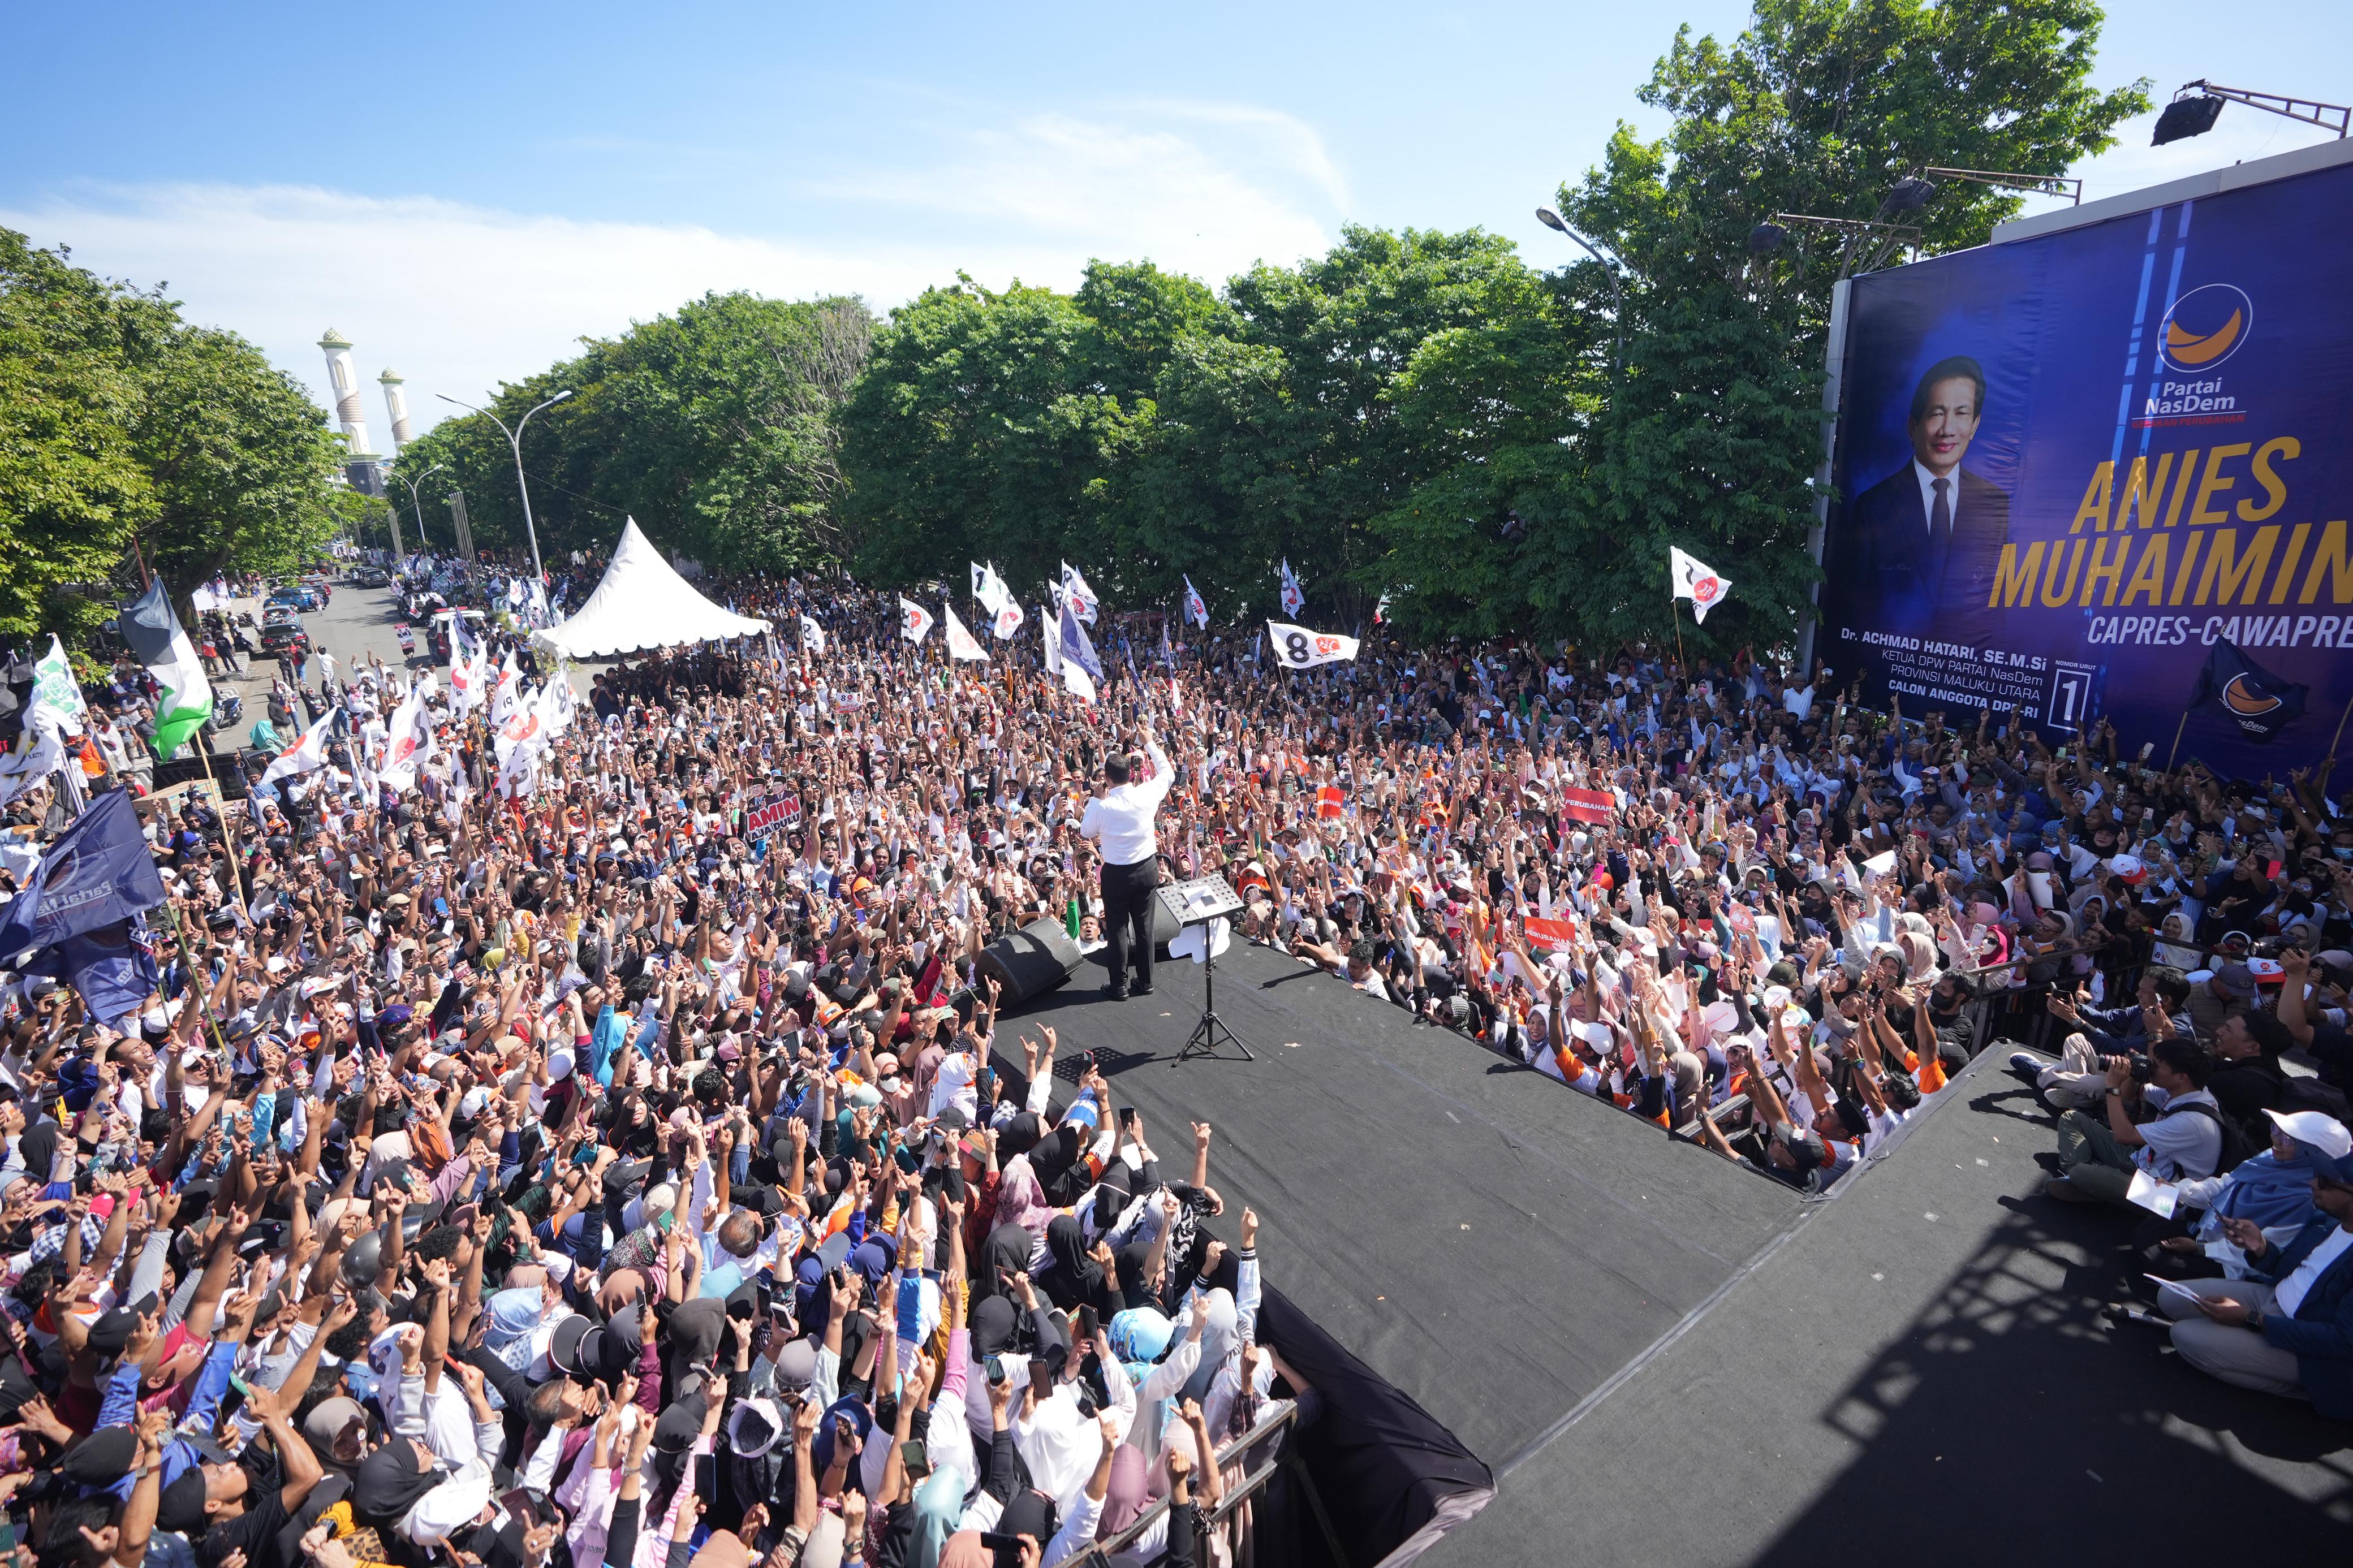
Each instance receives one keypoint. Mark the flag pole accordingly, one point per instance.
(2340, 729)
(1675, 607)
(2184, 718)
(179, 941)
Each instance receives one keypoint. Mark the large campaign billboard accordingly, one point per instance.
(2106, 472)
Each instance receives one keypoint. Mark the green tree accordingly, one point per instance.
(120, 423)
(981, 431)
(1710, 432)
(243, 470)
(1332, 453)
(71, 487)
(713, 426)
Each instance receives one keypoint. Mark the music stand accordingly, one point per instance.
(1197, 903)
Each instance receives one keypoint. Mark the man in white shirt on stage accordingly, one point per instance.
(1119, 820)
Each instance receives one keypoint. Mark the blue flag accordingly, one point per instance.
(1078, 650)
(2259, 703)
(97, 873)
(112, 966)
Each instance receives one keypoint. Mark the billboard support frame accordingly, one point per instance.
(1833, 377)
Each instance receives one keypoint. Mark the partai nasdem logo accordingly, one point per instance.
(2204, 328)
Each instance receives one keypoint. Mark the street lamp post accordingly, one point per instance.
(514, 441)
(416, 503)
(1609, 266)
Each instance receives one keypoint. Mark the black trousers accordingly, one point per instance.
(1127, 917)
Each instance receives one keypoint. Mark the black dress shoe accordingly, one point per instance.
(1145, 990)
(1115, 990)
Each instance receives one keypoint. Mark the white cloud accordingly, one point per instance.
(459, 297)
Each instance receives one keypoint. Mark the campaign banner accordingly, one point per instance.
(2082, 473)
(765, 813)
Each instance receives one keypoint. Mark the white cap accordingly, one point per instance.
(2318, 1128)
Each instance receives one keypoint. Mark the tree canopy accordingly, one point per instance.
(713, 425)
(119, 421)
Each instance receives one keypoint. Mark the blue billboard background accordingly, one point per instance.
(2158, 467)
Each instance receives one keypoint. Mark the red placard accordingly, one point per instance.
(1588, 804)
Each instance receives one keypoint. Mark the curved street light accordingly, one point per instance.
(413, 500)
(514, 442)
(1610, 266)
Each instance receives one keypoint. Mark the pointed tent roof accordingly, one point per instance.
(641, 604)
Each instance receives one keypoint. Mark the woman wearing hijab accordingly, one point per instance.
(1058, 1161)
(403, 1489)
(1020, 1135)
(996, 1329)
(1021, 1201)
(1074, 1276)
(1006, 1252)
(2274, 1188)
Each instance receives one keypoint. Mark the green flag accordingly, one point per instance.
(157, 642)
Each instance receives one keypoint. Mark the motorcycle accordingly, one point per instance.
(228, 709)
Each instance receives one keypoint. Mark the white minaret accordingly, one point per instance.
(345, 383)
(396, 403)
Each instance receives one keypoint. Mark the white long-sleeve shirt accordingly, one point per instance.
(1122, 818)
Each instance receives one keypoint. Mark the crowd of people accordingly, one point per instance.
(533, 1168)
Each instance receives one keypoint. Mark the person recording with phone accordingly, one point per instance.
(1120, 819)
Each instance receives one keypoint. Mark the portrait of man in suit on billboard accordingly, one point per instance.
(1928, 537)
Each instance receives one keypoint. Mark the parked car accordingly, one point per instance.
(293, 598)
(371, 577)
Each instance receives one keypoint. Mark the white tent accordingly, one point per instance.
(643, 603)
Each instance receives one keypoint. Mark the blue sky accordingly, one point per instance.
(464, 190)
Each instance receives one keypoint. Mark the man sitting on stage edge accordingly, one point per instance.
(1120, 818)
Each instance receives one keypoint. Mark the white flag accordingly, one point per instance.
(914, 621)
(405, 736)
(40, 751)
(812, 636)
(1197, 608)
(962, 643)
(1050, 621)
(1076, 595)
(1294, 599)
(1009, 620)
(989, 589)
(306, 754)
(55, 691)
(1696, 581)
(1300, 648)
(502, 694)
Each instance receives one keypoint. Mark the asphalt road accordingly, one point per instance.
(356, 623)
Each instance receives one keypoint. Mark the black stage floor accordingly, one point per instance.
(1922, 1367)
(1490, 1241)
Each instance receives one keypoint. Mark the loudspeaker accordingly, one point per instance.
(1030, 962)
(1167, 919)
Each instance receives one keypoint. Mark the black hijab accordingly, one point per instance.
(38, 1145)
(1070, 1277)
(1113, 1195)
(1020, 1135)
(389, 1483)
(1006, 1250)
(994, 1324)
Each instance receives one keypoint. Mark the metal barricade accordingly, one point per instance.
(1275, 1424)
